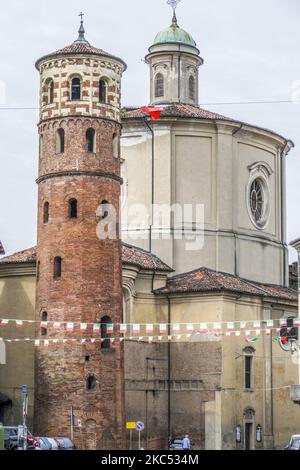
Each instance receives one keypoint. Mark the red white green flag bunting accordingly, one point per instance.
(297, 322)
(190, 328)
(230, 326)
(203, 328)
(162, 328)
(243, 325)
(149, 328)
(257, 325)
(56, 325)
(110, 328)
(270, 324)
(176, 328)
(123, 328)
(4, 322)
(19, 323)
(96, 328)
(83, 327)
(283, 322)
(217, 327)
(237, 333)
(70, 326)
(136, 328)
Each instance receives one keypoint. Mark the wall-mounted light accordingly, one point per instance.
(238, 434)
(258, 433)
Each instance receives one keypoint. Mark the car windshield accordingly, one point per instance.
(296, 442)
(177, 441)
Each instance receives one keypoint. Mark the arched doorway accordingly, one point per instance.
(249, 428)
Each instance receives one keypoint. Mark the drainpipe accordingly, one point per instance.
(283, 154)
(152, 183)
(169, 368)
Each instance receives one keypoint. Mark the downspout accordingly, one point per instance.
(169, 368)
(152, 183)
(283, 154)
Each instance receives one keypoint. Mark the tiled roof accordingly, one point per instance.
(130, 255)
(177, 110)
(143, 259)
(207, 280)
(1, 249)
(188, 111)
(78, 49)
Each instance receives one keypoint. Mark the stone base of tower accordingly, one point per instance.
(61, 386)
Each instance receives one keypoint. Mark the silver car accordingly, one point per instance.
(294, 443)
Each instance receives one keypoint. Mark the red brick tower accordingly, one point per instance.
(79, 274)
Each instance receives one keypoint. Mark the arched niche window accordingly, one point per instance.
(192, 88)
(44, 318)
(51, 92)
(159, 85)
(115, 146)
(76, 89)
(46, 212)
(57, 267)
(38, 270)
(103, 210)
(41, 146)
(105, 335)
(248, 368)
(102, 90)
(91, 382)
(73, 208)
(60, 141)
(91, 140)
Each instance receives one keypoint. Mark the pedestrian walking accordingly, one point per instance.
(186, 443)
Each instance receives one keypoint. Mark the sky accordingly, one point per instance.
(251, 52)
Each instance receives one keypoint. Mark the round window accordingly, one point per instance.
(258, 202)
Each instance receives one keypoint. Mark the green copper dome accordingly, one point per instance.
(174, 34)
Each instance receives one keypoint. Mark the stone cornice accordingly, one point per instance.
(101, 174)
(17, 269)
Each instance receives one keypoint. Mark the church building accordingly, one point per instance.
(179, 324)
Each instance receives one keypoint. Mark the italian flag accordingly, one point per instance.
(243, 325)
(46, 343)
(217, 327)
(176, 328)
(110, 328)
(230, 326)
(256, 325)
(93, 340)
(96, 328)
(44, 324)
(19, 323)
(297, 322)
(163, 328)
(247, 333)
(270, 324)
(150, 339)
(136, 328)
(149, 328)
(36, 343)
(83, 327)
(70, 326)
(123, 328)
(237, 333)
(228, 333)
(251, 340)
(159, 339)
(258, 332)
(203, 328)
(283, 323)
(190, 328)
(56, 325)
(4, 322)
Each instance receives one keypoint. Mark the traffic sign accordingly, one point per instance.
(24, 390)
(130, 425)
(140, 426)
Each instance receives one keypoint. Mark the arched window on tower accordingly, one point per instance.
(102, 91)
(159, 86)
(76, 89)
(91, 382)
(44, 318)
(192, 88)
(90, 140)
(103, 210)
(105, 332)
(73, 208)
(60, 141)
(57, 267)
(51, 92)
(115, 146)
(46, 212)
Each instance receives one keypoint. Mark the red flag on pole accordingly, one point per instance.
(153, 112)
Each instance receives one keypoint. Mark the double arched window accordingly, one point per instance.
(51, 91)
(102, 91)
(76, 89)
(159, 86)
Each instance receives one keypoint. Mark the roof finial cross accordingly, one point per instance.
(81, 39)
(82, 15)
(173, 4)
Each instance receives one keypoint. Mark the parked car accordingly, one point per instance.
(43, 443)
(11, 439)
(294, 443)
(65, 443)
(176, 444)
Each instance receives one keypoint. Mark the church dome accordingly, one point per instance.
(174, 34)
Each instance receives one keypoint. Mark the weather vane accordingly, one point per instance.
(173, 4)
